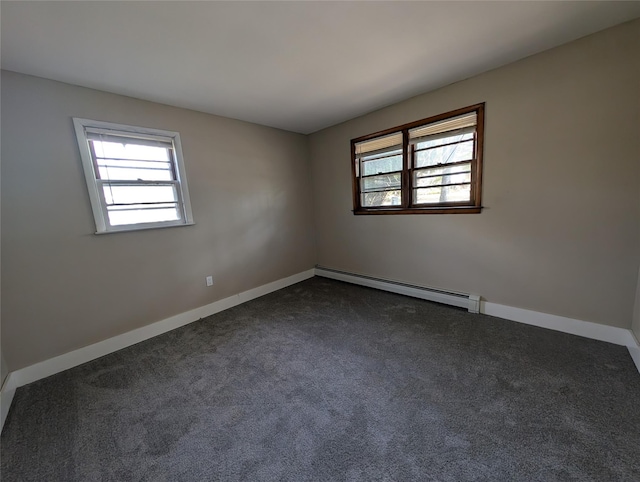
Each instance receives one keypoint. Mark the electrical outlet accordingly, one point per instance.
(209, 280)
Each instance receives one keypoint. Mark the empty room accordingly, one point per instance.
(320, 241)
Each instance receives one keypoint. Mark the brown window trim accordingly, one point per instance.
(473, 206)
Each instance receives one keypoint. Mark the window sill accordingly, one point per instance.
(433, 210)
(144, 228)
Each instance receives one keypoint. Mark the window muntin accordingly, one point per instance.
(135, 176)
(428, 166)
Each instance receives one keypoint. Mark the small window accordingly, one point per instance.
(430, 166)
(135, 176)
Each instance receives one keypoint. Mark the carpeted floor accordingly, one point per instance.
(325, 381)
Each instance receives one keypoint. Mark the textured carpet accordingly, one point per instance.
(325, 381)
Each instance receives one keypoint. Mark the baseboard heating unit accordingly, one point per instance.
(463, 300)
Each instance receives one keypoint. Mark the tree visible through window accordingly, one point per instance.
(430, 166)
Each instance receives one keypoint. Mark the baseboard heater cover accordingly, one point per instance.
(468, 301)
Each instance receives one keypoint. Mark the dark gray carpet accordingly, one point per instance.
(325, 381)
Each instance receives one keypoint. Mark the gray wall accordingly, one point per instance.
(64, 287)
(560, 232)
(4, 369)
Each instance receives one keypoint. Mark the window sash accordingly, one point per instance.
(106, 206)
(441, 203)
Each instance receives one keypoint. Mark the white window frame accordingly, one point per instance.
(96, 196)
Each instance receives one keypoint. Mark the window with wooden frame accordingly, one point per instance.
(433, 165)
(135, 176)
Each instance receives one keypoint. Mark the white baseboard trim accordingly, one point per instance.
(77, 357)
(587, 329)
(6, 397)
(635, 356)
(634, 351)
(461, 300)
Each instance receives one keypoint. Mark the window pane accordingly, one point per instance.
(434, 195)
(443, 170)
(422, 181)
(130, 151)
(133, 163)
(139, 194)
(135, 216)
(385, 198)
(439, 171)
(445, 154)
(132, 174)
(386, 181)
(438, 140)
(380, 166)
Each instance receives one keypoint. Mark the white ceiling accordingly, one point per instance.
(300, 66)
